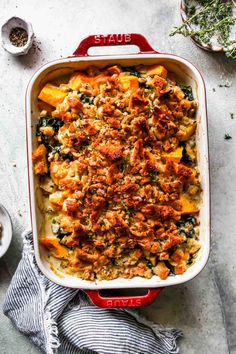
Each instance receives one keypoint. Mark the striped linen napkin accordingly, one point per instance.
(62, 320)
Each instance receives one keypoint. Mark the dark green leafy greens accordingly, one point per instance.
(52, 145)
(185, 157)
(125, 164)
(85, 98)
(153, 175)
(54, 149)
(55, 123)
(145, 86)
(188, 93)
(190, 260)
(57, 230)
(132, 71)
(186, 226)
(170, 267)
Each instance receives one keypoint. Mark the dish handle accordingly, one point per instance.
(114, 39)
(123, 301)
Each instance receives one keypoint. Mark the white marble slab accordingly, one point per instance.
(205, 308)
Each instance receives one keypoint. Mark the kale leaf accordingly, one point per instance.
(132, 71)
(188, 93)
(55, 123)
(185, 157)
(86, 99)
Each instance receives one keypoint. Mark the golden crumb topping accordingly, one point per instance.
(117, 162)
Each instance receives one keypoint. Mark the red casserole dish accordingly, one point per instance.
(80, 60)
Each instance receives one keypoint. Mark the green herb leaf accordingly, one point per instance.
(149, 110)
(153, 175)
(125, 164)
(127, 210)
(55, 227)
(227, 85)
(227, 137)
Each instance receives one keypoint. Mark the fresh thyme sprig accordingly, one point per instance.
(183, 29)
(207, 19)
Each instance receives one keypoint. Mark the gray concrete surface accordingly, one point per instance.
(205, 308)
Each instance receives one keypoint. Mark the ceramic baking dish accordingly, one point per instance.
(186, 73)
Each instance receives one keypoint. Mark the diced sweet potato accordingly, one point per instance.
(55, 248)
(188, 206)
(40, 160)
(194, 173)
(52, 95)
(157, 70)
(79, 78)
(129, 82)
(175, 155)
(153, 260)
(161, 270)
(43, 106)
(187, 132)
(57, 199)
(76, 80)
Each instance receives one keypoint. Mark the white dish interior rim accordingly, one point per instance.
(136, 282)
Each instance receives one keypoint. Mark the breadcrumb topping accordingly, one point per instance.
(116, 159)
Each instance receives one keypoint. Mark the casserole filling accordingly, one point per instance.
(117, 166)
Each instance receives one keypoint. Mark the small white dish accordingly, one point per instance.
(8, 26)
(213, 45)
(6, 237)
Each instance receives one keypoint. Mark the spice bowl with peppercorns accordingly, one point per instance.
(17, 36)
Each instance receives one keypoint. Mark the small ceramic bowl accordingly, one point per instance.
(213, 45)
(14, 22)
(6, 234)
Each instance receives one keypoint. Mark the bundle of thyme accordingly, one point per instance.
(208, 19)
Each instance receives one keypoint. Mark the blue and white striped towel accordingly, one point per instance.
(62, 320)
